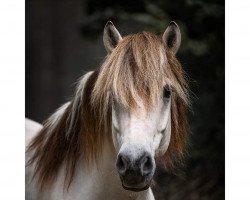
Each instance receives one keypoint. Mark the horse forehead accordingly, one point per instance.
(140, 120)
(144, 115)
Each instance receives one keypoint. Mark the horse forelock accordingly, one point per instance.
(136, 71)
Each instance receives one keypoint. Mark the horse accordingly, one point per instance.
(124, 119)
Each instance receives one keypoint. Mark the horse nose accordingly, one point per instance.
(142, 166)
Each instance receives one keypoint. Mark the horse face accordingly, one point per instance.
(138, 138)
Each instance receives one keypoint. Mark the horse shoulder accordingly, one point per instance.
(31, 129)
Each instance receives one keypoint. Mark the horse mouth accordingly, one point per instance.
(136, 186)
(136, 182)
(136, 189)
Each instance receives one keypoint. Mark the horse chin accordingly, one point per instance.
(135, 189)
(138, 187)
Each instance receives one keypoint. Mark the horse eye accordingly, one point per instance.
(166, 92)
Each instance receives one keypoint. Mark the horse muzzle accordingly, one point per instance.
(135, 174)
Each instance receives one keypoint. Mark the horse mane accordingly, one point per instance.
(135, 72)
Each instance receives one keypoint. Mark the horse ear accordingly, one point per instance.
(172, 37)
(111, 36)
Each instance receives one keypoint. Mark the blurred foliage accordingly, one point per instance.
(202, 54)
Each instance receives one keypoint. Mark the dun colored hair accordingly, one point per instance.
(135, 72)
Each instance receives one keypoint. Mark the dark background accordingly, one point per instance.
(64, 40)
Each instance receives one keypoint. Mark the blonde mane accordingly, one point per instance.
(136, 71)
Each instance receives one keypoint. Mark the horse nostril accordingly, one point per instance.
(121, 164)
(146, 165)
